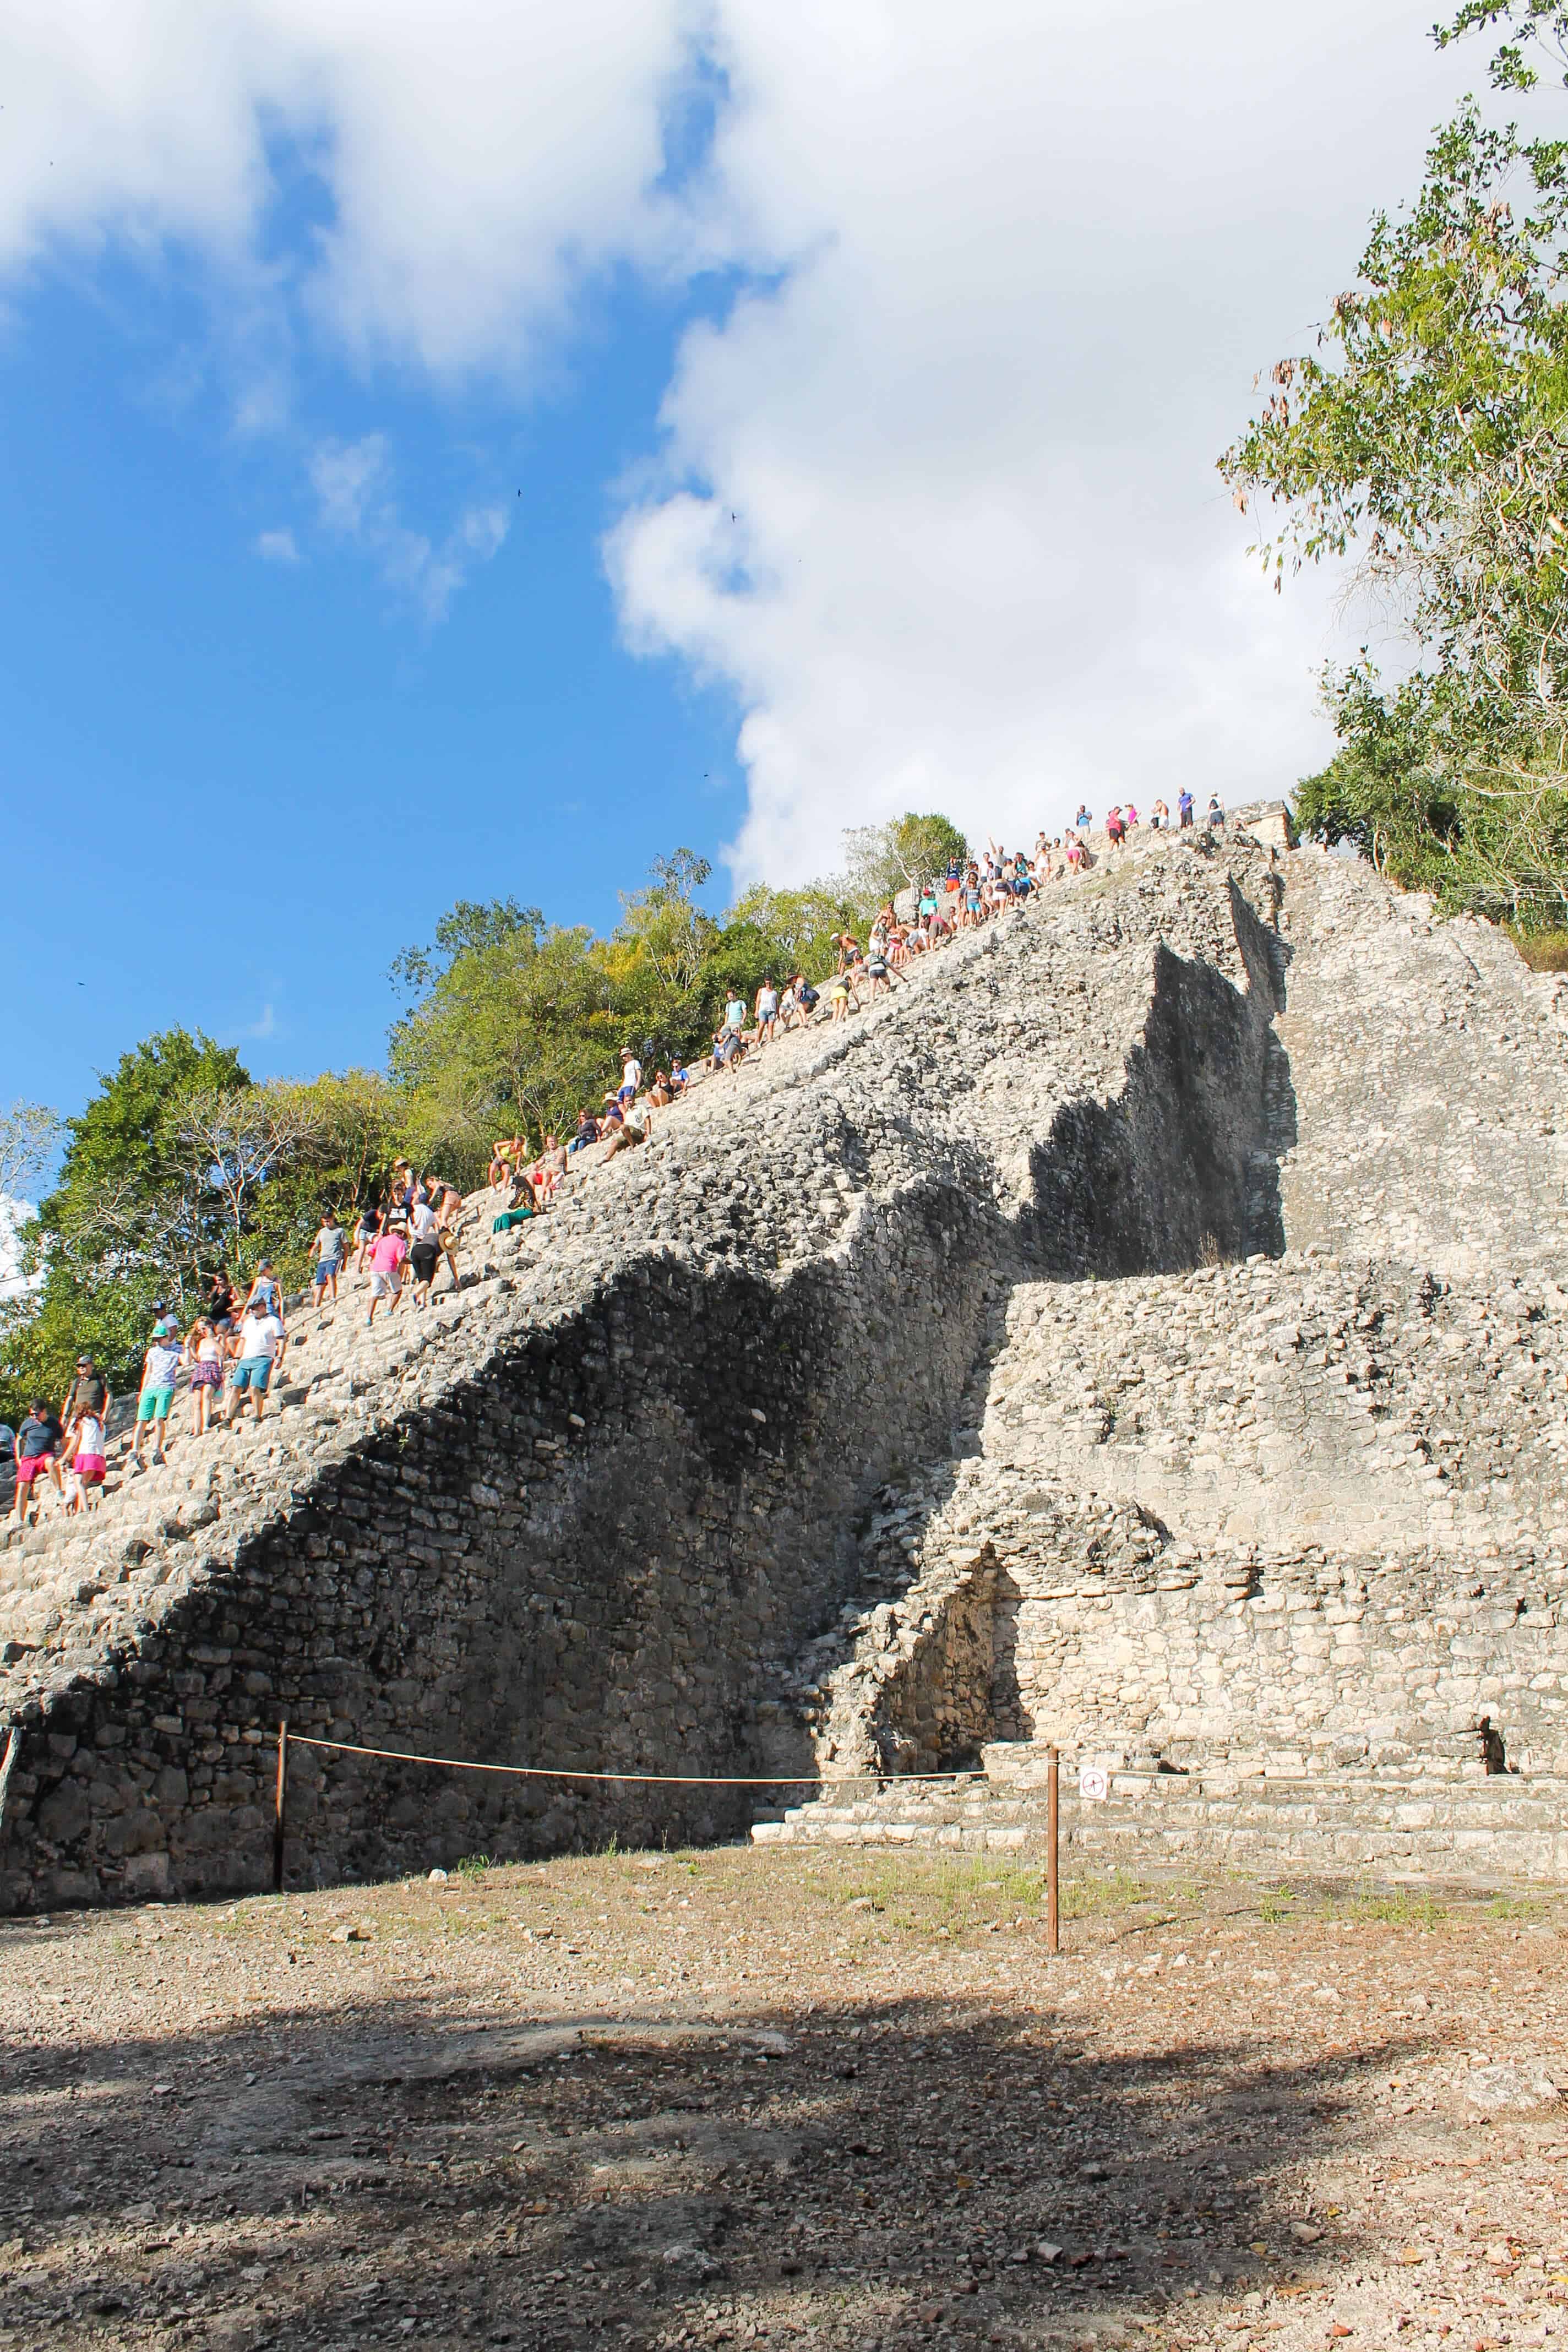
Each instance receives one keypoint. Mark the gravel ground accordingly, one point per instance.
(795, 2097)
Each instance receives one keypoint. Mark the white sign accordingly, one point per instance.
(1093, 1784)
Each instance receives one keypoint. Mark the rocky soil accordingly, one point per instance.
(795, 2097)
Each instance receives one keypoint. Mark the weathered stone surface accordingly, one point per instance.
(1509, 2088)
(1143, 1330)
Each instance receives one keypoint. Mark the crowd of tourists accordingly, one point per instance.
(232, 1347)
(236, 1343)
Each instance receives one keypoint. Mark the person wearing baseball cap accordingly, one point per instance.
(89, 1393)
(158, 1367)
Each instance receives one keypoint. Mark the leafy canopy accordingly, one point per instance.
(1427, 435)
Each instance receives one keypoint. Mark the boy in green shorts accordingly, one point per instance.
(158, 1367)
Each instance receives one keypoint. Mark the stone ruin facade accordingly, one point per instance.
(1142, 1331)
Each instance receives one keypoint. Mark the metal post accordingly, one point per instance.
(1053, 1806)
(280, 1818)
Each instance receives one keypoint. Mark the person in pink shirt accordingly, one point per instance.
(387, 1252)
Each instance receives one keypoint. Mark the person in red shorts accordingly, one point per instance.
(37, 1449)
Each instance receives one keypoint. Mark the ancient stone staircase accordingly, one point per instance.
(1421, 1826)
(1064, 1349)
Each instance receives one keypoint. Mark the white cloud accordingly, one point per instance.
(278, 547)
(1016, 267)
(941, 510)
(354, 485)
(478, 159)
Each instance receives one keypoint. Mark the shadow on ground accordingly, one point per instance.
(878, 2176)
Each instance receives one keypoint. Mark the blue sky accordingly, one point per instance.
(192, 728)
(862, 372)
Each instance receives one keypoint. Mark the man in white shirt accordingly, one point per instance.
(262, 1340)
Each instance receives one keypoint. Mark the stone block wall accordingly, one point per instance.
(585, 1556)
(1305, 1667)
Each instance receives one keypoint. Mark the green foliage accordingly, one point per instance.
(1544, 950)
(124, 1225)
(346, 1132)
(179, 1165)
(655, 962)
(1539, 23)
(517, 1026)
(883, 859)
(1428, 433)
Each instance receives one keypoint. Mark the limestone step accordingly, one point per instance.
(1500, 1827)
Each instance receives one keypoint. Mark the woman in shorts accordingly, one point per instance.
(204, 1355)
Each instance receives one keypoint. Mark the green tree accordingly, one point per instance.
(347, 1131)
(654, 963)
(515, 1026)
(1539, 24)
(1427, 435)
(797, 926)
(880, 860)
(132, 1218)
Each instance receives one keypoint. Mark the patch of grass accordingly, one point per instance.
(1276, 1904)
(1399, 1909)
(473, 1865)
(1514, 1907)
(936, 1893)
(1542, 950)
(1090, 1898)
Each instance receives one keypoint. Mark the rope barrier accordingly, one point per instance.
(287, 1739)
(662, 1779)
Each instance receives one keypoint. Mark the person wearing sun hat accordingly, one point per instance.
(158, 1367)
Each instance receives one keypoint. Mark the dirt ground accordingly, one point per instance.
(795, 2097)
